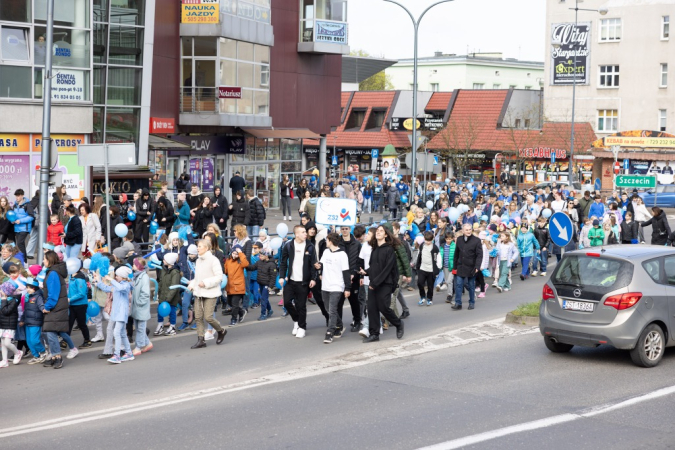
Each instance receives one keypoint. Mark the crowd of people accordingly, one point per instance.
(453, 237)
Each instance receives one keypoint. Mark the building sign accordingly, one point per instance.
(14, 174)
(229, 92)
(159, 125)
(200, 11)
(331, 32)
(251, 11)
(336, 211)
(73, 175)
(542, 152)
(212, 143)
(426, 123)
(574, 40)
(63, 142)
(638, 141)
(68, 85)
(14, 142)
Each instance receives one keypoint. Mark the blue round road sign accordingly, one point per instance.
(561, 229)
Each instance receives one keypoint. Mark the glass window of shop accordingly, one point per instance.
(23, 50)
(117, 77)
(208, 63)
(256, 10)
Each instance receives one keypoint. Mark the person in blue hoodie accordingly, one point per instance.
(33, 318)
(77, 296)
(119, 314)
(24, 220)
(597, 208)
(526, 245)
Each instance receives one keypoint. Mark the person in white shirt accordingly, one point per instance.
(335, 280)
(558, 204)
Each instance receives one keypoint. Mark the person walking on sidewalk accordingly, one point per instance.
(335, 280)
(205, 288)
(297, 275)
(467, 261)
(236, 283)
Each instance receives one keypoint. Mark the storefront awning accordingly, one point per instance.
(288, 133)
(161, 143)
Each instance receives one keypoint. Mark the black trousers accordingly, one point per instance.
(379, 302)
(237, 302)
(298, 291)
(318, 296)
(79, 313)
(426, 280)
(141, 231)
(353, 301)
(20, 240)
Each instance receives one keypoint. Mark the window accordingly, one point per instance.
(15, 81)
(664, 75)
(355, 120)
(610, 30)
(653, 269)
(669, 269)
(663, 119)
(527, 123)
(496, 86)
(517, 123)
(14, 44)
(479, 85)
(376, 119)
(15, 10)
(665, 27)
(434, 87)
(608, 120)
(609, 76)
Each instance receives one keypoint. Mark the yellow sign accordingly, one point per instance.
(14, 142)
(639, 141)
(63, 142)
(200, 11)
(408, 124)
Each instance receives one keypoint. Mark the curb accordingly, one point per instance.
(521, 320)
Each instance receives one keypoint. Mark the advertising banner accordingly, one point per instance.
(73, 176)
(62, 142)
(336, 211)
(14, 174)
(68, 85)
(195, 170)
(390, 165)
(208, 174)
(14, 142)
(200, 11)
(331, 32)
(574, 40)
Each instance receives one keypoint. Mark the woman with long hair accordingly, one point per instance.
(5, 225)
(660, 227)
(300, 192)
(383, 276)
(98, 204)
(285, 189)
(203, 216)
(57, 199)
(91, 229)
(220, 209)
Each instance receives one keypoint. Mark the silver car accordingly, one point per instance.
(620, 295)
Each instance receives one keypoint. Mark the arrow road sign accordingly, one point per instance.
(552, 157)
(561, 229)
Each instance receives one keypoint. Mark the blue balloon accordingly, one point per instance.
(453, 214)
(93, 309)
(131, 216)
(313, 179)
(164, 309)
(484, 218)
(121, 230)
(353, 178)
(154, 226)
(546, 213)
(282, 230)
(11, 216)
(377, 179)
(404, 198)
(223, 283)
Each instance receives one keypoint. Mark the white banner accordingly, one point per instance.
(68, 85)
(336, 211)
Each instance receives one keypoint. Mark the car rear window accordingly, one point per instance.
(592, 271)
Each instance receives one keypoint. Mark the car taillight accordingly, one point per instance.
(594, 255)
(547, 293)
(623, 301)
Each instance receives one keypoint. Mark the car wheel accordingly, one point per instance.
(650, 347)
(557, 347)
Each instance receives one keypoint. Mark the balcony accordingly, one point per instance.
(323, 27)
(204, 106)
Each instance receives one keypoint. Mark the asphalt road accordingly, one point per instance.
(457, 379)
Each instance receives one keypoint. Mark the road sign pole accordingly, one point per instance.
(108, 193)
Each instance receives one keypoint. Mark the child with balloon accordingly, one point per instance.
(120, 287)
(33, 318)
(77, 298)
(170, 277)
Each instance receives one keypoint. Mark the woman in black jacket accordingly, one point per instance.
(239, 210)
(220, 209)
(56, 308)
(383, 275)
(57, 199)
(629, 230)
(72, 236)
(115, 219)
(660, 227)
(165, 214)
(6, 227)
(203, 216)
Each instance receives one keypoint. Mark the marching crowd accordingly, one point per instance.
(453, 237)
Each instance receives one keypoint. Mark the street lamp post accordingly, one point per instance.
(576, 9)
(416, 25)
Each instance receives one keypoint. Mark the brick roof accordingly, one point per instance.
(439, 101)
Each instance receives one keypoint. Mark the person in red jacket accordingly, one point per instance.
(55, 230)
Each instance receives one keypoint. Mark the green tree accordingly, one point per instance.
(378, 82)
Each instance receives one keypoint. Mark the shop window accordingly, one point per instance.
(122, 124)
(126, 46)
(14, 44)
(355, 120)
(71, 47)
(67, 13)
(15, 82)
(609, 76)
(15, 10)
(291, 150)
(376, 119)
(100, 10)
(608, 120)
(273, 150)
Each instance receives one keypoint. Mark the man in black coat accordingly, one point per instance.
(467, 262)
(237, 183)
(256, 212)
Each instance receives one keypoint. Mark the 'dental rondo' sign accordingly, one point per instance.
(68, 85)
(336, 211)
(200, 11)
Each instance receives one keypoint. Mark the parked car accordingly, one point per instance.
(664, 197)
(620, 295)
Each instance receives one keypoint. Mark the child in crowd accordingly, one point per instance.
(527, 244)
(267, 275)
(236, 283)
(170, 277)
(447, 259)
(55, 231)
(77, 296)
(188, 270)
(9, 320)
(507, 256)
(428, 267)
(253, 287)
(140, 306)
(596, 235)
(33, 318)
(120, 287)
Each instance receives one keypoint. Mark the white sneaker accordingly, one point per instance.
(159, 330)
(208, 335)
(300, 333)
(444, 287)
(295, 328)
(73, 353)
(534, 274)
(4, 363)
(98, 338)
(364, 332)
(17, 357)
(381, 331)
(543, 274)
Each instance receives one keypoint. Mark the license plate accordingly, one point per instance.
(577, 306)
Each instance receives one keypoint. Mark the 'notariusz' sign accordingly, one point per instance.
(574, 42)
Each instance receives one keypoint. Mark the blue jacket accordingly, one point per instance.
(527, 243)
(597, 210)
(140, 305)
(32, 310)
(253, 275)
(77, 289)
(183, 215)
(120, 305)
(24, 214)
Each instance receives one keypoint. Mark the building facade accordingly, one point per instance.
(444, 73)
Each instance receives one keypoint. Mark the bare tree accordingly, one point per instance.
(457, 142)
(522, 129)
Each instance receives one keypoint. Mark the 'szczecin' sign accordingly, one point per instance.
(636, 181)
(336, 211)
(200, 11)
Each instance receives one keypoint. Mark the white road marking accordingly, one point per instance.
(548, 421)
(484, 331)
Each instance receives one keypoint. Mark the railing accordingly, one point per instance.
(256, 10)
(199, 100)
